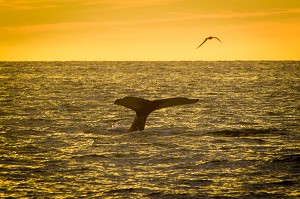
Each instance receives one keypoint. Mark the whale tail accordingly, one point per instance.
(144, 107)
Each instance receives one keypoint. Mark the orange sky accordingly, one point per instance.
(149, 30)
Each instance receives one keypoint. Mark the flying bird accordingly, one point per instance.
(207, 39)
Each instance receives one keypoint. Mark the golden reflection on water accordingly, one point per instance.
(57, 138)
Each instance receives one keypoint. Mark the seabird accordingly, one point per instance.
(207, 39)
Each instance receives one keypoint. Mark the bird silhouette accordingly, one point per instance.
(207, 39)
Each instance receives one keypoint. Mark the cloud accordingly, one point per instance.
(105, 4)
(29, 4)
(234, 14)
(125, 4)
(48, 27)
(170, 16)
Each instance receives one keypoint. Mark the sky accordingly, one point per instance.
(152, 30)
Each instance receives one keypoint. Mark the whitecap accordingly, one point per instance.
(117, 128)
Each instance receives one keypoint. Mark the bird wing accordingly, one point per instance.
(202, 43)
(217, 39)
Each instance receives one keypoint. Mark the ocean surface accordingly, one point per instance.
(62, 136)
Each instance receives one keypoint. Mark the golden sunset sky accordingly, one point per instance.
(37, 30)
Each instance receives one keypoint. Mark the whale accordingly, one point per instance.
(144, 107)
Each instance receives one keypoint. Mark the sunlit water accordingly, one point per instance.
(61, 136)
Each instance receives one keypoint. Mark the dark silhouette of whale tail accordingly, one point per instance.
(143, 108)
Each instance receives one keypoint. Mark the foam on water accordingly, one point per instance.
(117, 128)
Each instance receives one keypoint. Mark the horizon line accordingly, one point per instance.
(148, 60)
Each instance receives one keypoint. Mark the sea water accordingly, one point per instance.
(61, 136)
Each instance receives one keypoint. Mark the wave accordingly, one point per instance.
(295, 158)
(243, 132)
(90, 157)
(247, 132)
(117, 128)
(156, 195)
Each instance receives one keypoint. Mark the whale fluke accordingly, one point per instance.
(143, 108)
